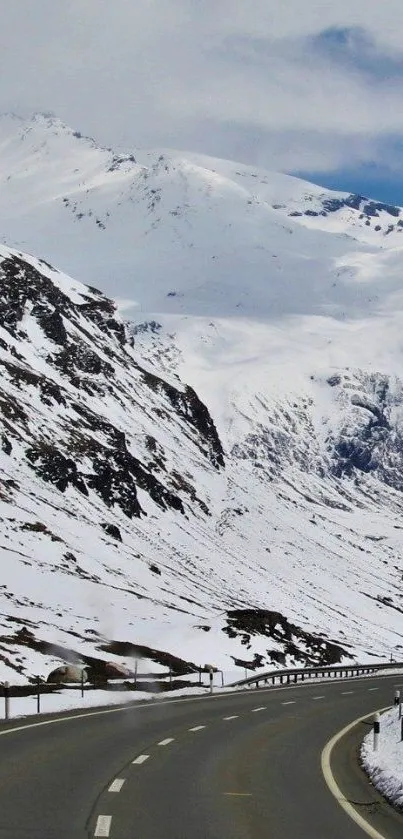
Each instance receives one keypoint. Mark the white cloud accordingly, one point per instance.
(230, 78)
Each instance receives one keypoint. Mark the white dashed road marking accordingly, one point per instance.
(318, 697)
(346, 692)
(197, 728)
(103, 826)
(141, 759)
(116, 785)
(291, 702)
(255, 710)
(234, 717)
(167, 741)
(373, 688)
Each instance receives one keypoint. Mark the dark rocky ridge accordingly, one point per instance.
(298, 646)
(366, 210)
(370, 439)
(88, 349)
(366, 440)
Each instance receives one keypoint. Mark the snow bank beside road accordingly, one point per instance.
(385, 766)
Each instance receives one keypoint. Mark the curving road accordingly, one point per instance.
(232, 766)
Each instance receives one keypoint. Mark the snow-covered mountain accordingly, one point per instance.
(221, 478)
(180, 233)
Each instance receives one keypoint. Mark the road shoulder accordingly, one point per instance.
(349, 783)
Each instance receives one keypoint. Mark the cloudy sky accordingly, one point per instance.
(307, 86)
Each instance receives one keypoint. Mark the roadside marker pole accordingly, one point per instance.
(6, 700)
(38, 694)
(377, 726)
(397, 697)
(82, 683)
(400, 707)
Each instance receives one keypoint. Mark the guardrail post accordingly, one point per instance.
(377, 728)
(6, 700)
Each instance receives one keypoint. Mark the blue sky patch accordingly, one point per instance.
(371, 181)
(354, 49)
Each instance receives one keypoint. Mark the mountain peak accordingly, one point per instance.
(185, 234)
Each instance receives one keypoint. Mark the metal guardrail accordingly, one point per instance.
(304, 674)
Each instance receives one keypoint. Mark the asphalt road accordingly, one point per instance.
(240, 766)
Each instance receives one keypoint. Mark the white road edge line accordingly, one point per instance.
(255, 710)
(234, 717)
(167, 741)
(197, 728)
(103, 826)
(333, 786)
(116, 785)
(140, 759)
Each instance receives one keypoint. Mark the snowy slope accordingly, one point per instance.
(94, 438)
(258, 510)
